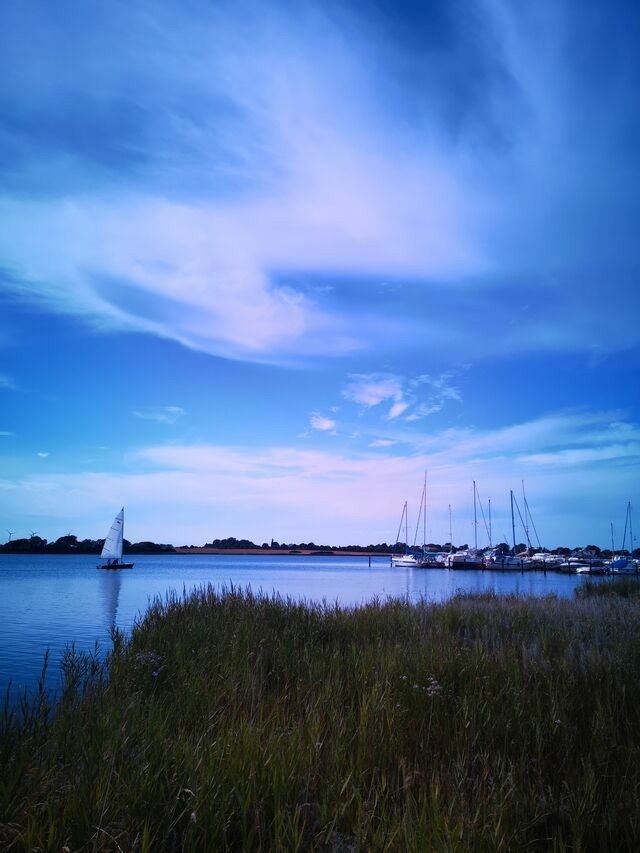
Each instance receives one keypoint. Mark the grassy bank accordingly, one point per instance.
(232, 722)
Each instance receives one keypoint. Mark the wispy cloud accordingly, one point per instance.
(322, 423)
(160, 414)
(273, 144)
(372, 389)
(335, 497)
(5, 432)
(414, 398)
(42, 455)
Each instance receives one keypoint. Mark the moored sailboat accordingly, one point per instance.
(406, 559)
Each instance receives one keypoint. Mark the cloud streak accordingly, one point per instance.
(334, 497)
(263, 147)
(404, 394)
(160, 414)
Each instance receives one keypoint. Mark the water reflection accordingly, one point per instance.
(110, 583)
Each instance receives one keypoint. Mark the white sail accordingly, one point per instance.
(112, 549)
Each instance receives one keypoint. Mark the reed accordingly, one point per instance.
(616, 586)
(230, 721)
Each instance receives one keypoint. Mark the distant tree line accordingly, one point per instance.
(71, 545)
(231, 543)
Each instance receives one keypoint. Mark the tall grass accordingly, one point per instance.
(618, 585)
(235, 722)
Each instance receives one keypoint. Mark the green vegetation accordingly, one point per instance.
(616, 586)
(231, 543)
(70, 544)
(232, 722)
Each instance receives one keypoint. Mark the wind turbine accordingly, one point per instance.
(34, 533)
(10, 532)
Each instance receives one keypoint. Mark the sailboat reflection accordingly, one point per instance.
(110, 583)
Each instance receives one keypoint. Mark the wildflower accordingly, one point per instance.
(151, 661)
(434, 688)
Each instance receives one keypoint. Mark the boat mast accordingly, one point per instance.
(626, 524)
(490, 540)
(424, 517)
(513, 525)
(406, 527)
(526, 521)
(403, 517)
(450, 533)
(475, 519)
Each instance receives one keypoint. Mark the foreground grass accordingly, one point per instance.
(230, 722)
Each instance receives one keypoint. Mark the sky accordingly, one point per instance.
(262, 266)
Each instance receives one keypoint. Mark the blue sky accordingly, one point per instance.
(262, 265)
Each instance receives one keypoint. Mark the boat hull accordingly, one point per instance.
(116, 566)
(404, 562)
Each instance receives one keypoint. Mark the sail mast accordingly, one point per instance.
(475, 518)
(402, 518)
(424, 517)
(406, 527)
(626, 523)
(490, 542)
(526, 520)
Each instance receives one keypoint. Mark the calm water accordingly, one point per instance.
(49, 602)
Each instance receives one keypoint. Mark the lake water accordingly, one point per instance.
(51, 601)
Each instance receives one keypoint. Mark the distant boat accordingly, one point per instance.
(112, 549)
(398, 559)
(625, 564)
(467, 559)
(407, 559)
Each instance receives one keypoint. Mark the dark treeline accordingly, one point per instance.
(71, 545)
(232, 543)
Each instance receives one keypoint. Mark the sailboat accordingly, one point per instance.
(407, 559)
(623, 564)
(112, 549)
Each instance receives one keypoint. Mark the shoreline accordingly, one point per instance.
(281, 552)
